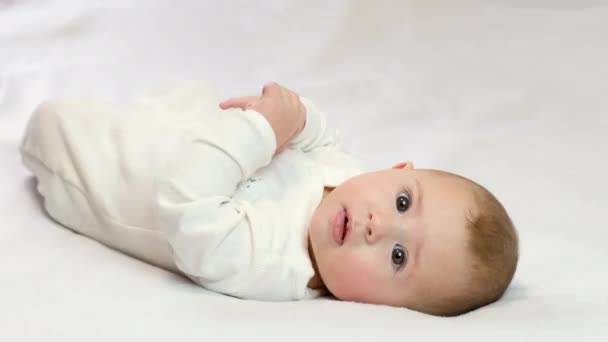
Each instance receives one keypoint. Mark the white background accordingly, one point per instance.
(513, 94)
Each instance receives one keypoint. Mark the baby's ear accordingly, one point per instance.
(404, 165)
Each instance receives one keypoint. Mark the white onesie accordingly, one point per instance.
(177, 182)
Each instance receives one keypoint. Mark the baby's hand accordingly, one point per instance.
(280, 106)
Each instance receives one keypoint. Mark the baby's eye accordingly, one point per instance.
(398, 256)
(403, 202)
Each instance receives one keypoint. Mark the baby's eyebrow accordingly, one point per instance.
(419, 196)
(418, 242)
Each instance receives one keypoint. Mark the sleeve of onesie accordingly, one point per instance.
(316, 133)
(207, 228)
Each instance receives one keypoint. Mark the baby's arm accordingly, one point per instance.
(316, 134)
(209, 229)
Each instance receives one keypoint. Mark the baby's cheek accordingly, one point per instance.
(354, 281)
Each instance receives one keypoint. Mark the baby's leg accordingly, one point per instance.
(50, 155)
(44, 153)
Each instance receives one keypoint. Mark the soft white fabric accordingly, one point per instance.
(176, 167)
(508, 92)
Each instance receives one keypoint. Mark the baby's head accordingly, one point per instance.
(427, 240)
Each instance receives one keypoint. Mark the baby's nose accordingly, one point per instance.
(374, 229)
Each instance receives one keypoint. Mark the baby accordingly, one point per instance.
(258, 199)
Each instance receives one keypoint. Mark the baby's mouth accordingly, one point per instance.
(340, 227)
(345, 231)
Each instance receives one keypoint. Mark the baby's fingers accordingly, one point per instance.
(244, 102)
(271, 89)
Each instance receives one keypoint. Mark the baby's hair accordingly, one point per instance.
(494, 250)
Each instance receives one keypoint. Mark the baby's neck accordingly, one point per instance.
(316, 282)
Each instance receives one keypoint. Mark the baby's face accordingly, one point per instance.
(392, 237)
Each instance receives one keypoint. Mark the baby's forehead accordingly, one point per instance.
(446, 194)
(448, 205)
(439, 174)
(429, 177)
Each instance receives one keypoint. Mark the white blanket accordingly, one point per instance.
(509, 93)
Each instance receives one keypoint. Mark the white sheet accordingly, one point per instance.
(510, 93)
